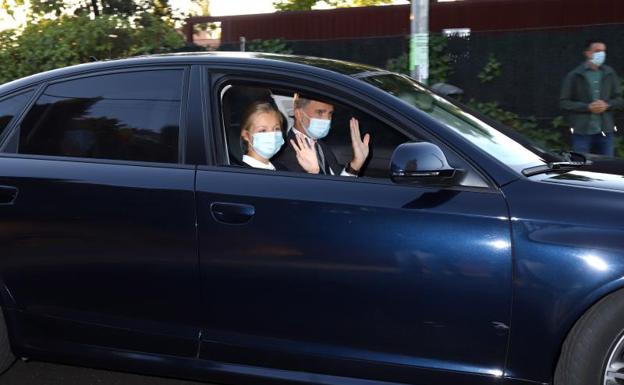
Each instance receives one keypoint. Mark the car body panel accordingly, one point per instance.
(122, 260)
(569, 253)
(588, 179)
(354, 271)
(217, 372)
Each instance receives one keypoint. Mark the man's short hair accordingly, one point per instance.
(590, 42)
(300, 102)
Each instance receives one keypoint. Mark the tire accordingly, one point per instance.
(6, 355)
(595, 341)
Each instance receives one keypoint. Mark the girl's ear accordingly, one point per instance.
(245, 141)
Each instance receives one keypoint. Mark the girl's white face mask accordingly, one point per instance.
(267, 144)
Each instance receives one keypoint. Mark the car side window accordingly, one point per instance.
(11, 107)
(121, 116)
(384, 139)
(236, 99)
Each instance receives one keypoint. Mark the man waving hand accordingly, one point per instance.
(312, 122)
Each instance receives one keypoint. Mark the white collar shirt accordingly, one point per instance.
(255, 163)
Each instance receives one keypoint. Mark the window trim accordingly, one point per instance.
(220, 78)
(10, 145)
(339, 179)
(195, 140)
(8, 130)
(114, 162)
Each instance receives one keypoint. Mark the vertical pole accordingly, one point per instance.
(95, 8)
(188, 30)
(419, 41)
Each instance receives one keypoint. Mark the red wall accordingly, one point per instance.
(478, 15)
(325, 24)
(489, 15)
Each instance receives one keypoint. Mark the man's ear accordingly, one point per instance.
(298, 115)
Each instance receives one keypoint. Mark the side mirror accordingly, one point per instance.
(447, 89)
(420, 163)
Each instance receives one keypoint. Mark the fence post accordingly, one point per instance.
(419, 42)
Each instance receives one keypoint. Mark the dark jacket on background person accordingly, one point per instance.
(576, 96)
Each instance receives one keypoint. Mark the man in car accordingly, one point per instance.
(312, 122)
(589, 95)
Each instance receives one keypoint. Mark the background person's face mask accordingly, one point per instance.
(598, 58)
(267, 144)
(317, 128)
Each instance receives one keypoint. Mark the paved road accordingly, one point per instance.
(40, 373)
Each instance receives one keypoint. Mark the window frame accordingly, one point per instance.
(20, 113)
(220, 78)
(10, 145)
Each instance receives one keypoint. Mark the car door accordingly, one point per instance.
(98, 242)
(319, 278)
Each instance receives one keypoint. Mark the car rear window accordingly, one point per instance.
(121, 116)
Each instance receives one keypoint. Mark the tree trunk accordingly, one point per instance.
(96, 9)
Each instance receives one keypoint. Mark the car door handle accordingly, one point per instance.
(7, 195)
(232, 213)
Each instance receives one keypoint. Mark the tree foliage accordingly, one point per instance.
(123, 8)
(491, 71)
(269, 46)
(440, 61)
(76, 35)
(306, 5)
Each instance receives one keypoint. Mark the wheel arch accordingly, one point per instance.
(592, 299)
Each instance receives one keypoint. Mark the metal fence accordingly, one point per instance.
(532, 64)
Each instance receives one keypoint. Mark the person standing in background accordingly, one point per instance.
(589, 96)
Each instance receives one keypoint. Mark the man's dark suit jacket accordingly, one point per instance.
(287, 157)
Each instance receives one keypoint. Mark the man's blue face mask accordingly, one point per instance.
(317, 128)
(598, 58)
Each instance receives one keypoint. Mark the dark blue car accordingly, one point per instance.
(131, 238)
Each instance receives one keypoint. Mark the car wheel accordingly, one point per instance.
(6, 356)
(593, 352)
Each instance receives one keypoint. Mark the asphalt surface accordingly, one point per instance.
(41, 373)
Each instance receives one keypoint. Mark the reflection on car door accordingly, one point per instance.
(101, 254)
(102, 251)
(352, 278)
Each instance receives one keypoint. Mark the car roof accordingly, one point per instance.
(306, 63)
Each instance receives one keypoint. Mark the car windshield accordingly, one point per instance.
(501, 146)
